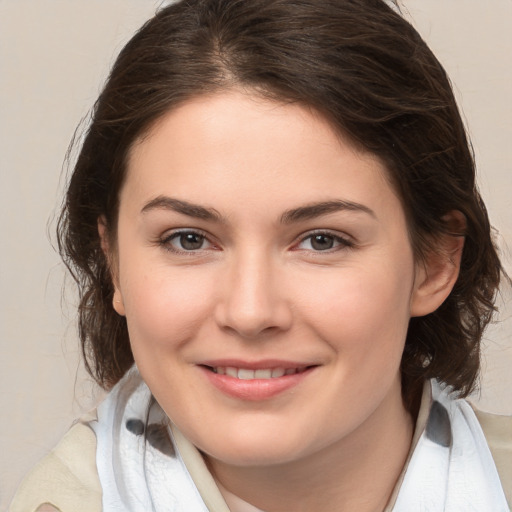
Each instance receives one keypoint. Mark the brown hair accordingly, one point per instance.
(358, 63)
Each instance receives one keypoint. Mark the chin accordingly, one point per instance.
(270, 450)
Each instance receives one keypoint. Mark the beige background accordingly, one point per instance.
(54, 54)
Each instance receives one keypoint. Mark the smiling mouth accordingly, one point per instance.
(249, 374)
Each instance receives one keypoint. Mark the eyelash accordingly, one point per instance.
(342, 242)
(166, 241)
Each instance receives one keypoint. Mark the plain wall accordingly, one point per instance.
(54, 56)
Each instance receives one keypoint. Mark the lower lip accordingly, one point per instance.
(255, 389)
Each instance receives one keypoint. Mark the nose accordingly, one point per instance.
(253, 299)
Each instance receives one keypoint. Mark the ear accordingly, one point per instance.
(437, 273)
(117, 299)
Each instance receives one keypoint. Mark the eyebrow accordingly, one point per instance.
(183, 207)
(323, 208)
(301, 213)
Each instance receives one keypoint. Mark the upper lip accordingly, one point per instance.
(255, 365)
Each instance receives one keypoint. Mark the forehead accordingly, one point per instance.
(231, 147)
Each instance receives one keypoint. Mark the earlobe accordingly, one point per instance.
(117, 302)
(437, 274)
(117, 299)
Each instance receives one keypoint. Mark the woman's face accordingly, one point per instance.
(267, 278)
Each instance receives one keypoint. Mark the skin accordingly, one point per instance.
(257, 286)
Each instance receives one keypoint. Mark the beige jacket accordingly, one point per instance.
(66, 480)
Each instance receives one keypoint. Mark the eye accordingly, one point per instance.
(323, 242)
(186, 241)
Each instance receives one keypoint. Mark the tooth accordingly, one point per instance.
(277, 372)
(232, 372)
(245, 374)
(263, 374)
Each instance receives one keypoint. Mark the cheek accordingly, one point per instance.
(362, 311)
(166, 307)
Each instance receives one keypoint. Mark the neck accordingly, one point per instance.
(358, 473)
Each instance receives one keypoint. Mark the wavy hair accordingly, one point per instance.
(359, 64)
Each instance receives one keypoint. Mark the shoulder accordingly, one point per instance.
(498, 433)
(66, 479)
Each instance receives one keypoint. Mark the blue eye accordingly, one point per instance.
(323, 242)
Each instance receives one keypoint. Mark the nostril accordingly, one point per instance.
(251, 311)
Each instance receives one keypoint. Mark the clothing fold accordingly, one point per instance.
(141, 467)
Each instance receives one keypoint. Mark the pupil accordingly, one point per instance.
(191, 241)
(322, 242)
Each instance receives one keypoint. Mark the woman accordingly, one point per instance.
(274, 216)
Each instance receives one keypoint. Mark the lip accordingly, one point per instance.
(256, 365)
(255, 389)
